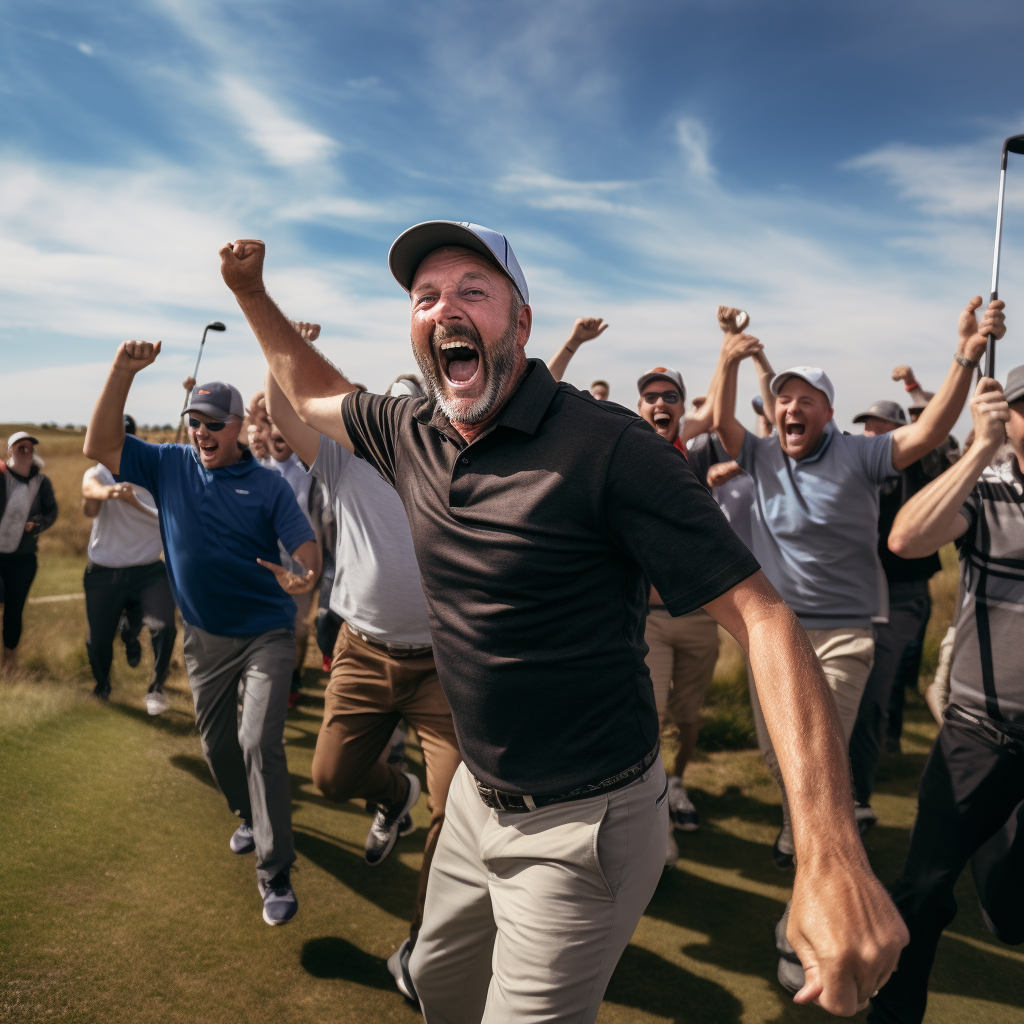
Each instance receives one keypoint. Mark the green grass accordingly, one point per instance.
(121, 901)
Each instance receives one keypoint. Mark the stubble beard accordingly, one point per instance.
(498, 365)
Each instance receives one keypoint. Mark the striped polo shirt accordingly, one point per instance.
(987, 676)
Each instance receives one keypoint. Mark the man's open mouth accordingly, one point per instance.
(662, 420)
(794, 429)
(209, 448)
(460, 361)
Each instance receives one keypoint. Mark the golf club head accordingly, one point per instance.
(216, 326)
(1014, 144)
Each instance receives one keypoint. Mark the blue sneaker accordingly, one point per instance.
(279, 902)
(242, 841)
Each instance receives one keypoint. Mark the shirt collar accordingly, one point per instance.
(523, 411)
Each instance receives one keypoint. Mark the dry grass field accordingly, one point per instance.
(121, 902)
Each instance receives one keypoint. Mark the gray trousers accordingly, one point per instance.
(240, 687)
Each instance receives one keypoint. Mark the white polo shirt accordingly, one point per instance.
(121, 534)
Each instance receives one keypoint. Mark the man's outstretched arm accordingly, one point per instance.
(104, 437)
(909, 443)
(932, 517)
(586, 328)
(842, 923)
(735, 348)
(312, 385)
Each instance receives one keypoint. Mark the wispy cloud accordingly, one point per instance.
(693, 140)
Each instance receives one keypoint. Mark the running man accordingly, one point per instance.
(221, 517)
(538, 515)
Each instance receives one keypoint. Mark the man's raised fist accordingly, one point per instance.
(587, 328)
(308, 332)
(241, 265)
(136, 355)
(732, 320)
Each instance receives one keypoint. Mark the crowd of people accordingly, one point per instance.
(532, 577)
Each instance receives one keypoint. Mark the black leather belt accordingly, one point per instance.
(522, 802)
(390, 649)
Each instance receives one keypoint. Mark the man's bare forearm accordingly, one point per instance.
(932, 517)
(935, 423)
(800, 713)
(729, 429)
(765, 374)
(303, 439)
(104, 437)
(559, 362)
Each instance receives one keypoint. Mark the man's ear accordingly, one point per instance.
(831, 413)
(525, 325)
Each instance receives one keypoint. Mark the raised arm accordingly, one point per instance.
(313, 386)
(931, 518)
(586, 328)
(303, 439)
(735, 348)
(308, 555)
(765, 373)
(842, 923)
(909, 443)
(104, 437)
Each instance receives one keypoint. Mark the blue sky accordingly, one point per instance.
(829, 166)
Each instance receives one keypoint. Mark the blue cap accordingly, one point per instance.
(414, 244)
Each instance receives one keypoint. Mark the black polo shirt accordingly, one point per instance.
(535, 544)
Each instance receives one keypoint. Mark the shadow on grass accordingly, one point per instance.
(650, 983)
(174, 722)
(331, 957)
(391, 886)
(196, 767)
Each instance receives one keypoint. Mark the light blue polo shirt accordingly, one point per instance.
(214, 525)
(815, 525)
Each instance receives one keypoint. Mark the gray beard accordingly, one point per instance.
(499, 366)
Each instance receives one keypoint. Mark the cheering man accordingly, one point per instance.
(538, 516)
(220, 514)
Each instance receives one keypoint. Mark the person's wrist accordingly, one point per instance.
(965, 358)
(250, 291)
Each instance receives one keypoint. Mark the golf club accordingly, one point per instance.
(1014, 144)
(215, 325)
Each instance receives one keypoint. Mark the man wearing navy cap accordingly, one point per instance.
(539, 517)
(221, 516)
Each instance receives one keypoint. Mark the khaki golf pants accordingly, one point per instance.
(846, 657)
(528, 913)
(681, 657)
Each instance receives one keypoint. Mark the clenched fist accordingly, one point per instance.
(308, 332)
(974, 336)
(732, 320)
(136, 355)
(241, 265)
(587, 328)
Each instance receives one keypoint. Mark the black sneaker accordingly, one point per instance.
(132, 650)
(383, 834)
(398, 965)
(102, 693)
(279, 902)
(866, 818)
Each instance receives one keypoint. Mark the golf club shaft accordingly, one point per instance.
(990, 349)
(195, 373)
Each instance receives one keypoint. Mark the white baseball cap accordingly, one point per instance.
(21, 435)
(414, 244)
(814, 375)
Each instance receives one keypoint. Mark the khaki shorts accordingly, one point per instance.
(681, 659)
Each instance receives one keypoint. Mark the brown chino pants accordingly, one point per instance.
(368, 694)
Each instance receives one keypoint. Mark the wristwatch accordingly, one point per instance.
(963, 361)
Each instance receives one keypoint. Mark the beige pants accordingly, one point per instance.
(681, 659)
(527, 914)
(846, 656)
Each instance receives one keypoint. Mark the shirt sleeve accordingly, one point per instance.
(329, 464)
(140, 463)
(702, 456)
(290, 523)
(659, 514)
(875, 454)
(747, 457)
(372, 424)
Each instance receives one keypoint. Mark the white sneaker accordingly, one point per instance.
(671, 852)
(156, 702)
(680, 808)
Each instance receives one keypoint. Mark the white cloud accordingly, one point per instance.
(284, 140)
(693, 140)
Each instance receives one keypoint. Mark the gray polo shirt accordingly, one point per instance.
(814, 525)
(377, 586)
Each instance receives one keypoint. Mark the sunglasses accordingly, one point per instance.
(213, 425)
(668, 397)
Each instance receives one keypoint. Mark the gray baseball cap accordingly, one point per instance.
(216, 399)
(883, 410)
(1014, 390)
(414, 244)
(662, 373)
(814, 375)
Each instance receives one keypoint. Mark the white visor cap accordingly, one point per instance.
(414, 244)
(814, 375)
